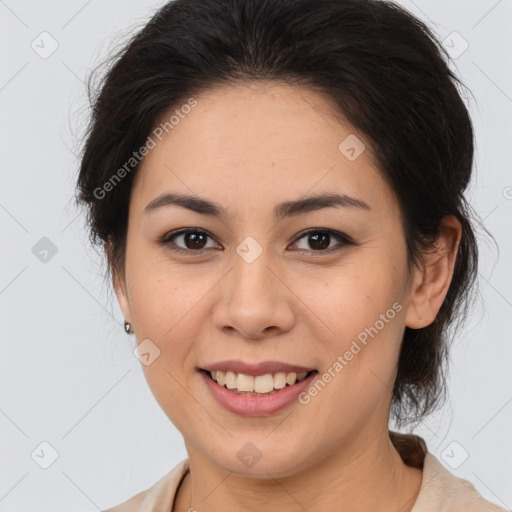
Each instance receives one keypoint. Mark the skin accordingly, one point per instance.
(250, 147)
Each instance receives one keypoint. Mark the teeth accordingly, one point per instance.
(260, 384)
(280, 380)
(291, 378)
(230, 379)
(220, 378)
(245, 382)
(263, 383)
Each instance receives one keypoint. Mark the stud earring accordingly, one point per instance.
(128, 327)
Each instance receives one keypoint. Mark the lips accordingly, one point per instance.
(257, 404)
(261, 368)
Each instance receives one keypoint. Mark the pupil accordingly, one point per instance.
(324, 236)
(194, 237)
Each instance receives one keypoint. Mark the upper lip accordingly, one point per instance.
(261, 368)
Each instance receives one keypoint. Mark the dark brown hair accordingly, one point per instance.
(382, 68)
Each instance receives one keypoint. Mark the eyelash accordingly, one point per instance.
(343, 239)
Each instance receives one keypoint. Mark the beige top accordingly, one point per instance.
(441, 491)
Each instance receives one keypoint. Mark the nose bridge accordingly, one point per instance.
(251, 270)
(252, 298)
(252, 280)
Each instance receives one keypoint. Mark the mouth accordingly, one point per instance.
(256, 385)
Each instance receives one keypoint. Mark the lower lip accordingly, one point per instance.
(256, 405)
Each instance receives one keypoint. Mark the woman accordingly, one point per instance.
(279, 188)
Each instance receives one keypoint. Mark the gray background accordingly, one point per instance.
(68, 374)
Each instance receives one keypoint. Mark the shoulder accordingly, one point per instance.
(161, 493)
(442, 491)
(131, 505)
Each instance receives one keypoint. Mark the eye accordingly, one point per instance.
(193, 239)
(320, 240)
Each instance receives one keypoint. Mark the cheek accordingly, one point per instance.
(164, 303)
(163, 294)
(350, 300)
(165, 306)
(365, 316)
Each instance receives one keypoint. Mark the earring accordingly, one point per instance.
(128, 327)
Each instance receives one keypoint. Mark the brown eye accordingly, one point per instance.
(319, 240)
(195, 241)
(192, 240)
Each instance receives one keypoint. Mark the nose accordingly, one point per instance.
(254, 300)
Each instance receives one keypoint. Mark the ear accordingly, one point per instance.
(118, 282)
(432, 281)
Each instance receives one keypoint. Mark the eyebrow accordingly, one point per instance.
(282, 210)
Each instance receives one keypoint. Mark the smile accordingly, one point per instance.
(250, 385)
(260, 395)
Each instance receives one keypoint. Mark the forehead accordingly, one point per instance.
(260, 143)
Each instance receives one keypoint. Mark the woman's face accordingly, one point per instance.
(251, 285)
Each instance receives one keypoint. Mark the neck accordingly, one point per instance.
(368, 475)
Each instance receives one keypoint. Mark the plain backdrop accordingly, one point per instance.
(79, 427)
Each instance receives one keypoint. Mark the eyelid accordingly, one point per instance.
(167, 239)
(342, 238)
